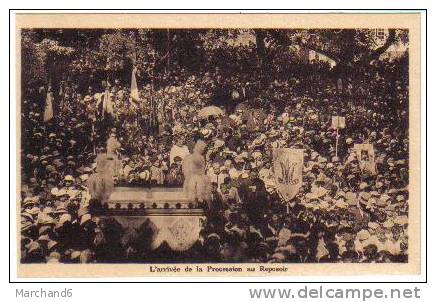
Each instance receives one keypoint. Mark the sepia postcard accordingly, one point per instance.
(217, 144)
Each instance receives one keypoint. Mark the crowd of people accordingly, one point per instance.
(340, 214)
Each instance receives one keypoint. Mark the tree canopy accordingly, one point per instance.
(95, 54)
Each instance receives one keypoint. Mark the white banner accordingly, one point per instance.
(338, 122)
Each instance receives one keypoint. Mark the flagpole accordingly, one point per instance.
(93, 136)
(136, 87)
(153, 121)
(337, 139)
(102, 107)
(168, 51)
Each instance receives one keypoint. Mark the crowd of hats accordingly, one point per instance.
(341, 213)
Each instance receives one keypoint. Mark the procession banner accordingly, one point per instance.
(366, 157)
(340, 86)
(48, 111)
(255, 118)
(288, 171)
(107, 103)
(134, 93)
(338, 122)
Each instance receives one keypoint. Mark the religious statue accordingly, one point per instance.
(101, 183)
(197, 184)
(112, 146)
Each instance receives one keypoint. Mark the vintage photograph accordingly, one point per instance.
(214, 145)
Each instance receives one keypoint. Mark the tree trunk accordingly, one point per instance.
(261, 51)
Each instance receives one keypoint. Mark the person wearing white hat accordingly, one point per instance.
(53, 257)
(29, 202)
(361, 237)
(64, 218)
(392, 245)
(55, 192)
(68, 188)
(68, 179)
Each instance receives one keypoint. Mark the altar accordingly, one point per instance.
(171, 216)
